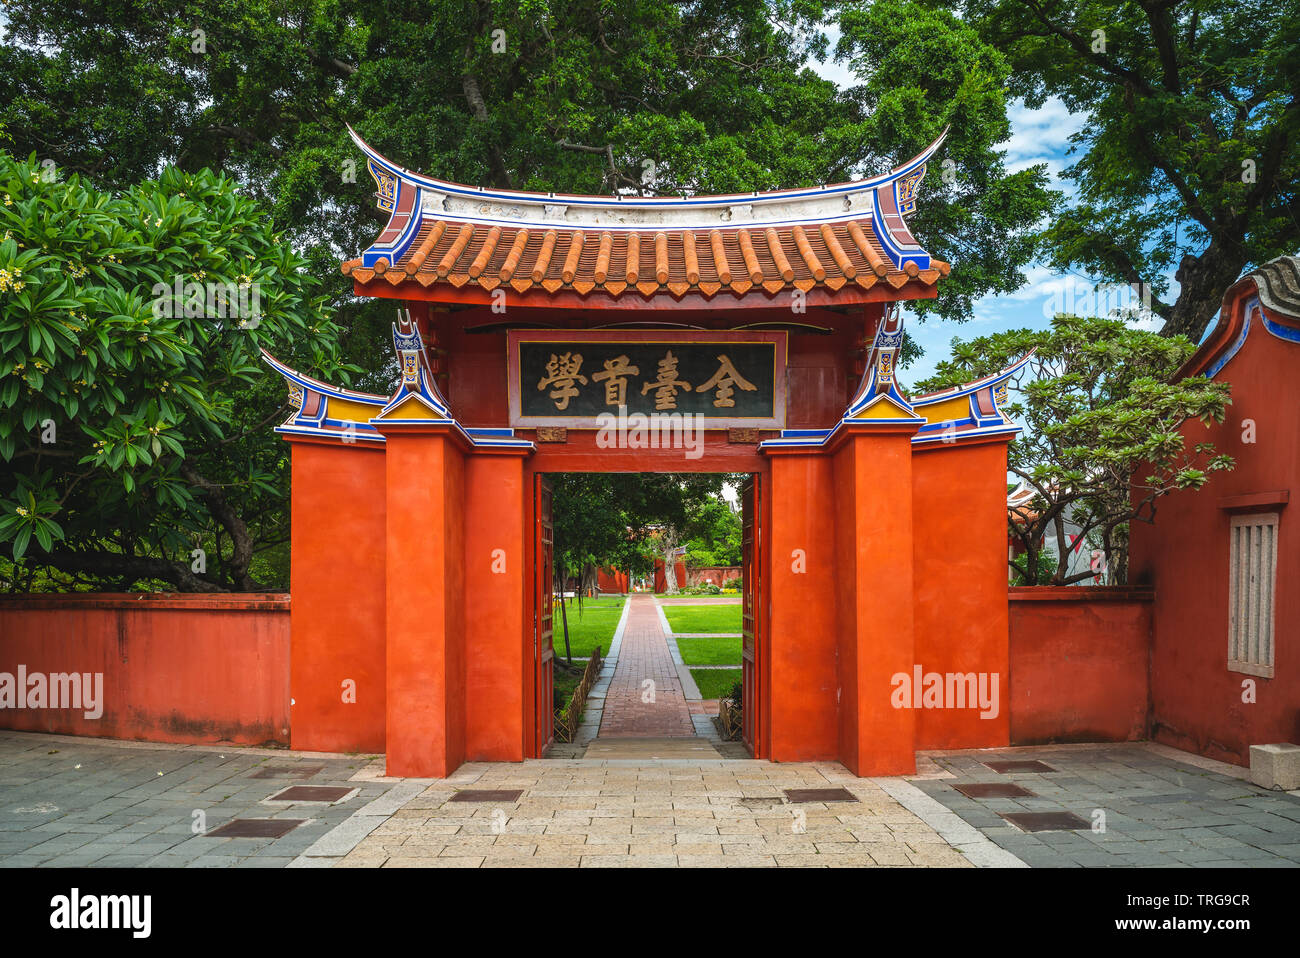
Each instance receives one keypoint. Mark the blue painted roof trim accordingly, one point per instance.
(642, 202)
(326, 428)
(1251, 306)
(898, 254)
(1288, 334)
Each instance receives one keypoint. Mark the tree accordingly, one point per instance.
(135, 424)
(1190, 156)
(667, 512)
(647, 96)
(923, 70)
(715, 535)
(620, 519)
(1103, 432)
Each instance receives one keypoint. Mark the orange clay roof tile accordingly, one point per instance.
(675, 262)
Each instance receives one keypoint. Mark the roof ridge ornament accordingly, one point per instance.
(821, 203)
(1278, 285)
(879, 380)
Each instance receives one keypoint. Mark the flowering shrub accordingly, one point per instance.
(125, 421)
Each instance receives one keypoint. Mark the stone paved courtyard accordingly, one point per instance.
(83, 802)
(76, 801)
(1151, 808)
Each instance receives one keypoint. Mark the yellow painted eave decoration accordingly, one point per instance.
(349, 410)
(412, 408)
(948, 410)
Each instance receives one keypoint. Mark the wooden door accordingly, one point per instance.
(543, 589)
(750, 619)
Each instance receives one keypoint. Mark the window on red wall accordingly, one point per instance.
(1251, 592)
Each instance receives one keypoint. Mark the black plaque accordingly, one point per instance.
(574, 381)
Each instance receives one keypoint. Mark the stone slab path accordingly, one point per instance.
(76, 802)
(645, 698)
(583, 813)
(622, 748)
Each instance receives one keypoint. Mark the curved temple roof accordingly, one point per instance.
(848, 236)
(1266, 298)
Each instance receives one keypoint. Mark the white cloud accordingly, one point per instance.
(837, 73)
(1152, 324)
(1042, 134)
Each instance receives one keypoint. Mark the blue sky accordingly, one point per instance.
(1037, 136)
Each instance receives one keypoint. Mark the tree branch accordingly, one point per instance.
(224, 513)
(114, 564)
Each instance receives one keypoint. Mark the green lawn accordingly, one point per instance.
(719, 651)
(594, 625)
(715, 683)
(565, 684)
(703, 618)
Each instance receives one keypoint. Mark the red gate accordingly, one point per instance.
(543, 588)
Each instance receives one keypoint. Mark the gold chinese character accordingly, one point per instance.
(616, 372)
(562, 372)
(724, 379)
(667, 384)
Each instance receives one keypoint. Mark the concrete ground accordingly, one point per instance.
(94, 802)
(1145, 806)
(79, 801)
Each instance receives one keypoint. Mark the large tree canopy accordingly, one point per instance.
(651, 96)
(1190, 157)
(923, 70)
(620, 519)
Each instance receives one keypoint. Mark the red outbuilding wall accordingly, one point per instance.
(175, 668)
(661, 580)
(715, 574)
(1200, 704)
(611, 581)
(1079, 663)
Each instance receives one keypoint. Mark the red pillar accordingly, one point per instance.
(499, 660)
(337, 676)
(424, 588)
(960, 519)
(801, 599)
(873, 543)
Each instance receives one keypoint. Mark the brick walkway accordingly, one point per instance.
(644, 654)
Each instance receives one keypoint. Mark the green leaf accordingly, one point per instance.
(20, 542)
